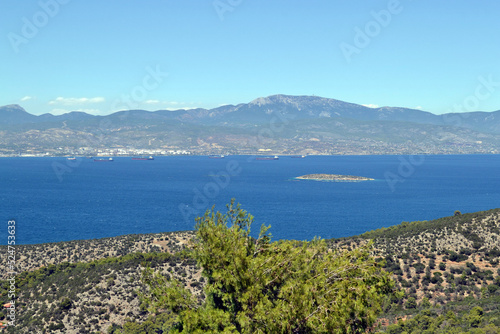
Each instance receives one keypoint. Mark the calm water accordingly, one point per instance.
(53, 199)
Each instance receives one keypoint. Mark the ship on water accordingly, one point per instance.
(216, 156)
(143, 158)
(104, 160)
(267, 158)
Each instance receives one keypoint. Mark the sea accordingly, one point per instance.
(54, 199)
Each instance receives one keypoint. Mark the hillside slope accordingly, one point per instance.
(90, 285)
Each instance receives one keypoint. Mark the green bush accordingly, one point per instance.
(65, 304)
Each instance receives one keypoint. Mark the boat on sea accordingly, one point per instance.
(267, 158)
(298, 156)
(221, 156)
(103, 160)
(71, 158)
(143, 158)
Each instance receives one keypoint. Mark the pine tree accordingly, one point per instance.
(258, 286)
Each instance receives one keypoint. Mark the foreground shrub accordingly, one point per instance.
(258, 286)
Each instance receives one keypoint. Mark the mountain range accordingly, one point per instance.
(280, 123)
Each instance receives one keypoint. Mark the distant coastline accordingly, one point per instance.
(333, 177)
(190, 154)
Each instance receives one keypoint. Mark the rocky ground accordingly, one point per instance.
(86, 286)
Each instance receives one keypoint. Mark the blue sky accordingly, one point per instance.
(104, 56)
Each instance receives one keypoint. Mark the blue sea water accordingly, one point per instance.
(53, 199)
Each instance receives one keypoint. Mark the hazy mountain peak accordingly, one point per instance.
(290, 99)
(14, 113)
(12, 108)
(260, 101)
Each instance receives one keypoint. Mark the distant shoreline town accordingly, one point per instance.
(158, 153)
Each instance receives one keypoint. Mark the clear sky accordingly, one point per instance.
(104, 56)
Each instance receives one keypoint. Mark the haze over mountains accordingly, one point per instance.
(282, 124)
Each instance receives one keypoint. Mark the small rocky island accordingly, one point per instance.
(333, 177)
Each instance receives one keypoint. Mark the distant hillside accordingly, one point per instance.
(447, 260)
(85, 286)
(478, 232)
(90, 285)
(285, 124)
